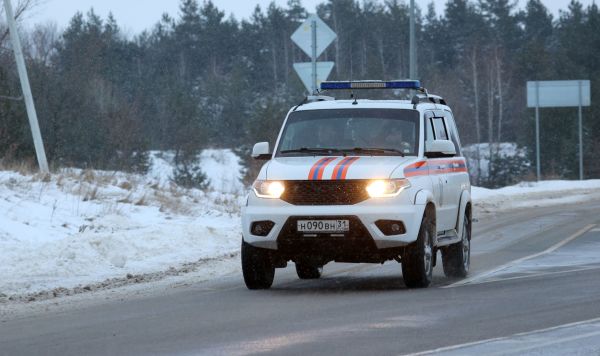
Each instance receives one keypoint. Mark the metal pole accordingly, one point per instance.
(580, 134)
(412, 43)
(22, 69)
(537, 130)
(313, 26)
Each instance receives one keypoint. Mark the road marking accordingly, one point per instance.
(541, 274)
(595, 230)
(522, 259)
(519, 335)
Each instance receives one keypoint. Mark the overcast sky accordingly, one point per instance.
(137, 15)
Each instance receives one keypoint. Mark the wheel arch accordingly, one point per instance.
(466, 206)
(425, 197)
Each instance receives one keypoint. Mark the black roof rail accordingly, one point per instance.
(427, 98)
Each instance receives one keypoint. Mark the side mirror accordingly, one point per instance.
(261, 151)
(439, 148)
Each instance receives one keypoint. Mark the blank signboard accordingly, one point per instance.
(558, 93)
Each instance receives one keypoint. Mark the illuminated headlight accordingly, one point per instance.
(385, 188)
(270, 189)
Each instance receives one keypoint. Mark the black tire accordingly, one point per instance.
(308, 271)
(457, 257)
(417, 260)
(257, 267)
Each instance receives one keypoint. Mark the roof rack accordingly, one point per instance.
(427, 98)
(311, 98)
(421, 97)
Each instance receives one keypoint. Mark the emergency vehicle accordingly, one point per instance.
(360, 181)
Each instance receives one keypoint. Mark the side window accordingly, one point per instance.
(453, 131)
(439, 128)
(429, 130)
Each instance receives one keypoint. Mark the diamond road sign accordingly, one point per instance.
(304, 71)
(303, 35)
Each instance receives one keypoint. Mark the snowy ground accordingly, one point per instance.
(82, 231)
(80, 228)
(536, 194)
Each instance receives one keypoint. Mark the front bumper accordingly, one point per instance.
(367, 212)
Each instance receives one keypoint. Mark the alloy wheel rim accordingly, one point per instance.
(428, 253)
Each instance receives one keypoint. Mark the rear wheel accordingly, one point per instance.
(417, 260)
(457, 257)
(257, 267)
(308, 271)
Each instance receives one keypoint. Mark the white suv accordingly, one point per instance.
(362, 181)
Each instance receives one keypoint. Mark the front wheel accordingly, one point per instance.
(457, 257)
(257, 267)
(417, 260)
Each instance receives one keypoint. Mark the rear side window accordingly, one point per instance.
(439, 128)
(453, 131)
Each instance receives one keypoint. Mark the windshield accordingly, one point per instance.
(390, 132)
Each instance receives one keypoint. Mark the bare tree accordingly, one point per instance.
(473, 61)
(23, 6)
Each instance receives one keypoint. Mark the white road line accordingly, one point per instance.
(595, 230)
(519, 260)
(533, 275)
(505, 338)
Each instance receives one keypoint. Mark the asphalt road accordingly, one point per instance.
(546, 301)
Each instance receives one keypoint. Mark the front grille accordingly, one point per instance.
(325, 192)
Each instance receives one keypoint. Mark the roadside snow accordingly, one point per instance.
(532, 194)
(480, 152)
(222, 167)
(84, 227)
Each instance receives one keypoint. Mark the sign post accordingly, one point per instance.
(313, 37)
(558, 93)
(26, 88)
(537, 131)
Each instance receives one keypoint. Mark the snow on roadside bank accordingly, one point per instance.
(83, 227)
(536, 194)
(222, 167)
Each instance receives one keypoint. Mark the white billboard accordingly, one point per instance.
(558, 93)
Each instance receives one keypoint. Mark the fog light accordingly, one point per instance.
(391, 227)
(261, 228)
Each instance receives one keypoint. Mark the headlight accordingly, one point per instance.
(271, 189)
(385, 188)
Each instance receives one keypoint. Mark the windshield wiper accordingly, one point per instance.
(311, 150)
(376, 150)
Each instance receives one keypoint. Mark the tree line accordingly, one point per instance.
(206, 79)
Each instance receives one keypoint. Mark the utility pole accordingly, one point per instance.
(580, 94)
(413, 45)
(538, 164)
(26, 88)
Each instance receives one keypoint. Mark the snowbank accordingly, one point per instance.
(83, 227)
(529, 194)
(222, 167)
(481, 153)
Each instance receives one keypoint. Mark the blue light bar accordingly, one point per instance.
(372, 84)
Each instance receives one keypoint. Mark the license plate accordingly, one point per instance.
(323, 226)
